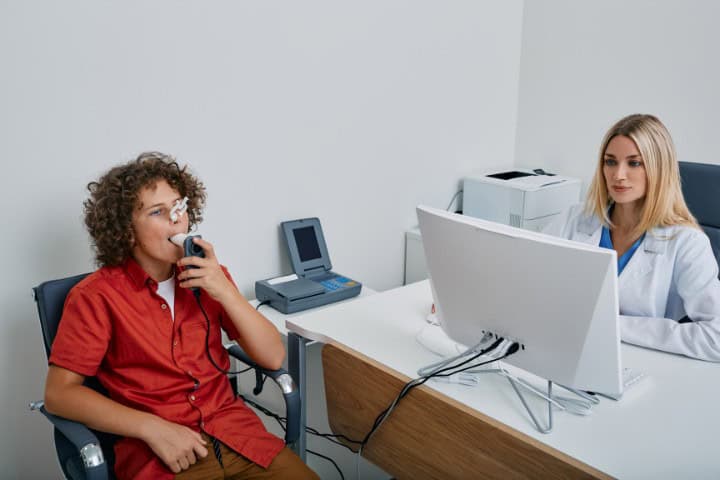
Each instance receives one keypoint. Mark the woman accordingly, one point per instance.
(668, 284)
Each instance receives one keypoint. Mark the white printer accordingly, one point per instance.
(520, 197)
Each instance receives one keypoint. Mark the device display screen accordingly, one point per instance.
(307, 243)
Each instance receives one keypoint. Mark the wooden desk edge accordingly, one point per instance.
(384, 448)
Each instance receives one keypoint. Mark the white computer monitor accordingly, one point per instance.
(556, 297)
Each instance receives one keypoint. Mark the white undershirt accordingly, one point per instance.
(166, 290)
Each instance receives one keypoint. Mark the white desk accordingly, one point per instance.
(666, 426)
(297, 352)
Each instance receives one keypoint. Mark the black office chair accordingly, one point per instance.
(701, 189)
(84, 453)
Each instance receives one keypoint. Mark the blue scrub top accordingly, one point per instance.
(606, 242)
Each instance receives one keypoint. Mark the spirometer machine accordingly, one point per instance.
(313, 283)
(524, 198)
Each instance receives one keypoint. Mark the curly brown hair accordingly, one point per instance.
(108, 211)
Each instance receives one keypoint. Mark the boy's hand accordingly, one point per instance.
(208, 275)
(176, 445)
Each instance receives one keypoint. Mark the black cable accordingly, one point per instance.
(512, 349)
(262, 383)
(207, 341)
(278, 418)
(381, 417)
(329, 460)
(443, 372)
(328, 437)
(453, 199)
(453, 369)
(238, 372)
(282, 422)
(412, 383)
(332, 436)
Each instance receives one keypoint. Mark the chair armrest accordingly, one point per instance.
(85, 443)
(283, 379)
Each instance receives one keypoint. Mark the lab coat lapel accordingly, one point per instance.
(590, 228)
(647, 255)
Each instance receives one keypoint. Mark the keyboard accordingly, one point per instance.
(336, 283)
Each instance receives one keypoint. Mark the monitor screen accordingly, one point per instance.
(555, 297)
(307, 243)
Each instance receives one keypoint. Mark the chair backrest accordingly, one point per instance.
(701, 189)
(50, 299)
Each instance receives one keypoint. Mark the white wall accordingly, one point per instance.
(587, 64)
(354, 112)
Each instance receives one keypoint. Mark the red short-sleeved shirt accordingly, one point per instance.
(116, 327)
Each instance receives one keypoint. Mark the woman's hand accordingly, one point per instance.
(208, 275)
(176, 445)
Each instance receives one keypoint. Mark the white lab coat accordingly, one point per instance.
(672, 274)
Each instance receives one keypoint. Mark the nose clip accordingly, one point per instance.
(178, 210)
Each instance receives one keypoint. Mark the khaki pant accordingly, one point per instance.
(236, 467)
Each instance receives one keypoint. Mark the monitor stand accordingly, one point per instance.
(581, 405)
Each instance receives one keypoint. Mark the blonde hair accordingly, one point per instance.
(663, 204)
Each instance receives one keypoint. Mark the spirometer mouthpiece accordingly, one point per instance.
(178, 239)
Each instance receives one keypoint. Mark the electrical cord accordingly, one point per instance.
(442, 372)
(329, 460)
(207, 341)
(331, 438)
(487, 339)
(282, 421)
(380, 419)
(264, 302)
(453, 199)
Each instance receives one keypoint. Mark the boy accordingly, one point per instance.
(136, 326)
